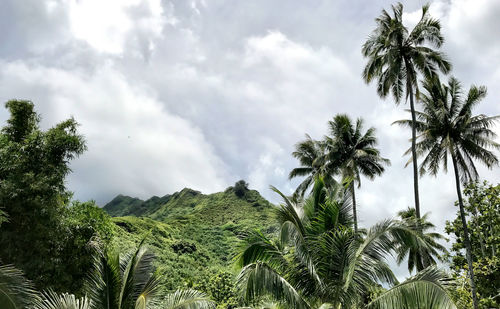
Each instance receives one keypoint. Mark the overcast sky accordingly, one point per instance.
(200, 94)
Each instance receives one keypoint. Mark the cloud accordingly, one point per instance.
(135, 145)
(110, 26)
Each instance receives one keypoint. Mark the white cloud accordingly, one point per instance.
(108, 25)
(135, 145)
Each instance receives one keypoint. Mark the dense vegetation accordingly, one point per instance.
(233, 248)
(193, 235)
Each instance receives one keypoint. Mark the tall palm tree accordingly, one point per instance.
(318, 260)
(448, 129)
(311, 155)
(352, 153)
(395, 58)
(420, 255)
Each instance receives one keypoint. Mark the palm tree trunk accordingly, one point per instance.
(414, 151)
(354, 211)
(468, 248)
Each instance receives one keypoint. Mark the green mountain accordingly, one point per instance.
(193, 235)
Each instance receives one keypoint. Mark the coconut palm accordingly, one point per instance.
(420, 255)
(395, 58)
(352, 153)
(448, 129)
(128, 281)
(117, 282)
(311, 155)
(318, 260)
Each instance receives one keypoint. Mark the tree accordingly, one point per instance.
(33, 165)
(352, 153)
(420, 254)
(220, 287)
(395, 58)
(84, 223)
(319, 260)
(311, 156)
(240, 188)
(448, 129)
(481, 206)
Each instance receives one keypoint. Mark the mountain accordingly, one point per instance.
(193, 235)
(123, 205)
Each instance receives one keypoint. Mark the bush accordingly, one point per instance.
(240, 188)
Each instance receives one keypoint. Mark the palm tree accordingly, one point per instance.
(311, 155)
(319, 260)
(117, 282)
(396, 56)
(420, 254)
(353, 153)
(128, 281)
(448, 129)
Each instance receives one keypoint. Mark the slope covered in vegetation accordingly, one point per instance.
(193, 235)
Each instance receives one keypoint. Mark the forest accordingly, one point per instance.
(235, 249)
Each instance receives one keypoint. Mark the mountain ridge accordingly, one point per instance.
(194, 235)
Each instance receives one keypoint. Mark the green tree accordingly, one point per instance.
(395, 58)
(221, 289)
(481, 206)
(352, 152)
(311, 156)
(319, 260)
(84, 224)
(420, 255)
(448, 129)
(33, 165)
(240, 188)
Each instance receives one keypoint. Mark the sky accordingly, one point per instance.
(200, 94)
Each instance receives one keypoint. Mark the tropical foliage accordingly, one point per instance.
(352, 153)
(319, 259)
(311, 156)
(447, 128)
(33, 166)
(117, 281)
(176, 251)
(397, 55)
(481, 206)
(421, 254)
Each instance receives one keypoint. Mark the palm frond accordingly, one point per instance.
(428, 289)
(187, 299)
(16, 291)
(259, 279)
(52, 300)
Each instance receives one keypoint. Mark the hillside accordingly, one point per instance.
(194, 235)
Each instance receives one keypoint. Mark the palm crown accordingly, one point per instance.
(311, 156)
(447, 127)
(395, 56)
(319, 259)
(420, 254)
(352, 153)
